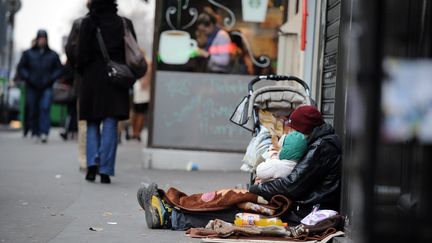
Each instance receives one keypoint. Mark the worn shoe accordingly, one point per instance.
(44, 138)
(91, 173)
(105, 179)
(157, 212)
(64, 136)
(140, 196)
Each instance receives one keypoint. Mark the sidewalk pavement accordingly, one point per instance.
(44, 197)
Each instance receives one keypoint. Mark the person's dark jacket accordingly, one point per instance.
(316, 177)
(40, 68)
(98, 97)
(71, 47)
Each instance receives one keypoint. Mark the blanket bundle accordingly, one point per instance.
(224, 199)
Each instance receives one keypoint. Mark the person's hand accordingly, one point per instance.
(273, 154)
(203, 53)
(257, 181)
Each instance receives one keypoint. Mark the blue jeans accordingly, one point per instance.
(39, 105)
(102, 147)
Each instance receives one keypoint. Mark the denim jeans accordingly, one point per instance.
(102, 146)
(39, 105)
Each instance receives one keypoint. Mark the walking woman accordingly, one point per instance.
(101, 103)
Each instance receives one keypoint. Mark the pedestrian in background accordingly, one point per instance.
(71, 123)
(101, 102)
(218, 46)
(39, 67)
(141, 98)
(72, 54)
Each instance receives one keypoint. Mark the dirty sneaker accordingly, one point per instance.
(157, 211)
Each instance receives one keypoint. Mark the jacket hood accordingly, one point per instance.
(324, 131)
(41, 33)
(103, 7)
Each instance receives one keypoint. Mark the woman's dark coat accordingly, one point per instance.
(316, 177)
(98, 98)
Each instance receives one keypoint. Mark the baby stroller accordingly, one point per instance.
(276, 100)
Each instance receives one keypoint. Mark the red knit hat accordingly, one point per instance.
(305, 118)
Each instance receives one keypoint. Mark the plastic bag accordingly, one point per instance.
(14, 98)
(317, 216)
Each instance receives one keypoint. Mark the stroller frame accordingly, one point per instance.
(274, 98)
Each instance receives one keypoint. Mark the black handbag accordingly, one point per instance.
(120, 74)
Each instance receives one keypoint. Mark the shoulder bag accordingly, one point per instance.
(119, 74)
(134, 57)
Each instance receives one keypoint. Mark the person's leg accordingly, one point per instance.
(159, 214)
(139, 113)
(134, 120)
(157, 211)
(32, 106)
(181, 220)
(25, 115)
(140, 126)
(120, 125)
(73, 123)
(92, 148)
(82, 131)
(64, 134)
(44, 113)
(108, 147)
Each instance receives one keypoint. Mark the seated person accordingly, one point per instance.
(293, 148)
(314, 180)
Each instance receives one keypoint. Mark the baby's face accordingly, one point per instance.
(287, 129)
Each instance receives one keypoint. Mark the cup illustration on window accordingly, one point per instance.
(176, 47)
(254, 10)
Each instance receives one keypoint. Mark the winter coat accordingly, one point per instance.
(40, 68)
(98, 97)
(316, 177)
(71, 47)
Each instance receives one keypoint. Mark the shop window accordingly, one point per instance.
(235, 37)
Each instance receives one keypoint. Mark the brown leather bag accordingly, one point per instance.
(134, 57)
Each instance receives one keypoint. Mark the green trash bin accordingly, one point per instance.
(58, 114)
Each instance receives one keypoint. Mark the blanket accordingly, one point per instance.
(224, 199)
(220, 229)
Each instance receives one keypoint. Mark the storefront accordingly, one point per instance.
(194, 95)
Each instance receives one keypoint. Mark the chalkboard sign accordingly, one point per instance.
(192, 111)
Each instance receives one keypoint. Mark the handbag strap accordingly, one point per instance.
(125, 25)
(102, 45)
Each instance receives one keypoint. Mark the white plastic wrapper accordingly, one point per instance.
(317, 216)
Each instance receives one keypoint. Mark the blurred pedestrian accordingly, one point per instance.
(218, 46)
(101, 102)
(240, 61)
(71, 124)
(72, 54)
(39, 67)
(141, 98)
